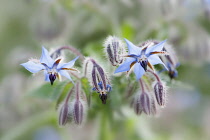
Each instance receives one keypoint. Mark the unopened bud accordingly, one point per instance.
(153, 107)
(78, 112)
(114, 49)
(63, 116)
(137, 105)
(145, 103)
(160, 93)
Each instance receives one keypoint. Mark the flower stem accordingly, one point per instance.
(156, 76)
(77, 90)
(69, 95)
(142, 85)
(72, 49)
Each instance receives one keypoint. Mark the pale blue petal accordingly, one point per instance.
(156, 48)
(155, 59)
(45, 58)
(65, 74)
(132, 49)
(125, 66)
(138, 70)
(33, 67)
(46, 76)
(67, 65)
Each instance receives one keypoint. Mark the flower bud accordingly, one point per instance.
(65, 110)
(114, 48)
(145, 103)
(78, 109)
(160, 93)
(137, 105)
(153, 106)
(63, 116)
(78, 112)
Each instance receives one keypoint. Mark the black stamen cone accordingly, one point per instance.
(172, 74)
(52, 78)
(144, 64)
(103, 98)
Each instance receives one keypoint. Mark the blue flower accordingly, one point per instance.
(52, 68)
(139, 58)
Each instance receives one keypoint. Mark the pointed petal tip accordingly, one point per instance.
(127, 41)
(115, 71)
(164, 40)
(76, 58)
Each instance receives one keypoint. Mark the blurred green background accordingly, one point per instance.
(26, 25)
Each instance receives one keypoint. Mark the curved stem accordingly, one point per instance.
(75, 75)
(69, 95)
(156, 76)
(72, 49)
(142, 85)
(77, 90)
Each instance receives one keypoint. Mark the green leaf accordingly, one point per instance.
(47, 91)
(63, 94)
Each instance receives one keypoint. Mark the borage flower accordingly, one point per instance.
(52, 68)
(141, 57)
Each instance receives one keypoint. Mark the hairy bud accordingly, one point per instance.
(114, 50)
(153, 106)
(78, 112)
(160, 93)
(63, 116)
(78, 109)
(137, 105)
(145, 103)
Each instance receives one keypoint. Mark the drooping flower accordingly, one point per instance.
(97, 78)
(171, 62)
(52, 68)
(141, 57)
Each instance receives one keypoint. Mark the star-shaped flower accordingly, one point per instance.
(52, 68)
(139, 58)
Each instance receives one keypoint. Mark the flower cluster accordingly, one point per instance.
(148, 98)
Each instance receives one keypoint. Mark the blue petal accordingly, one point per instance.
(156, 48)
(67, 65)
(155, 59)
(125, 66)
(132, 49)
(46, 76)
(65, 74)
(45, 58)
(139, 71)
(33, 67)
